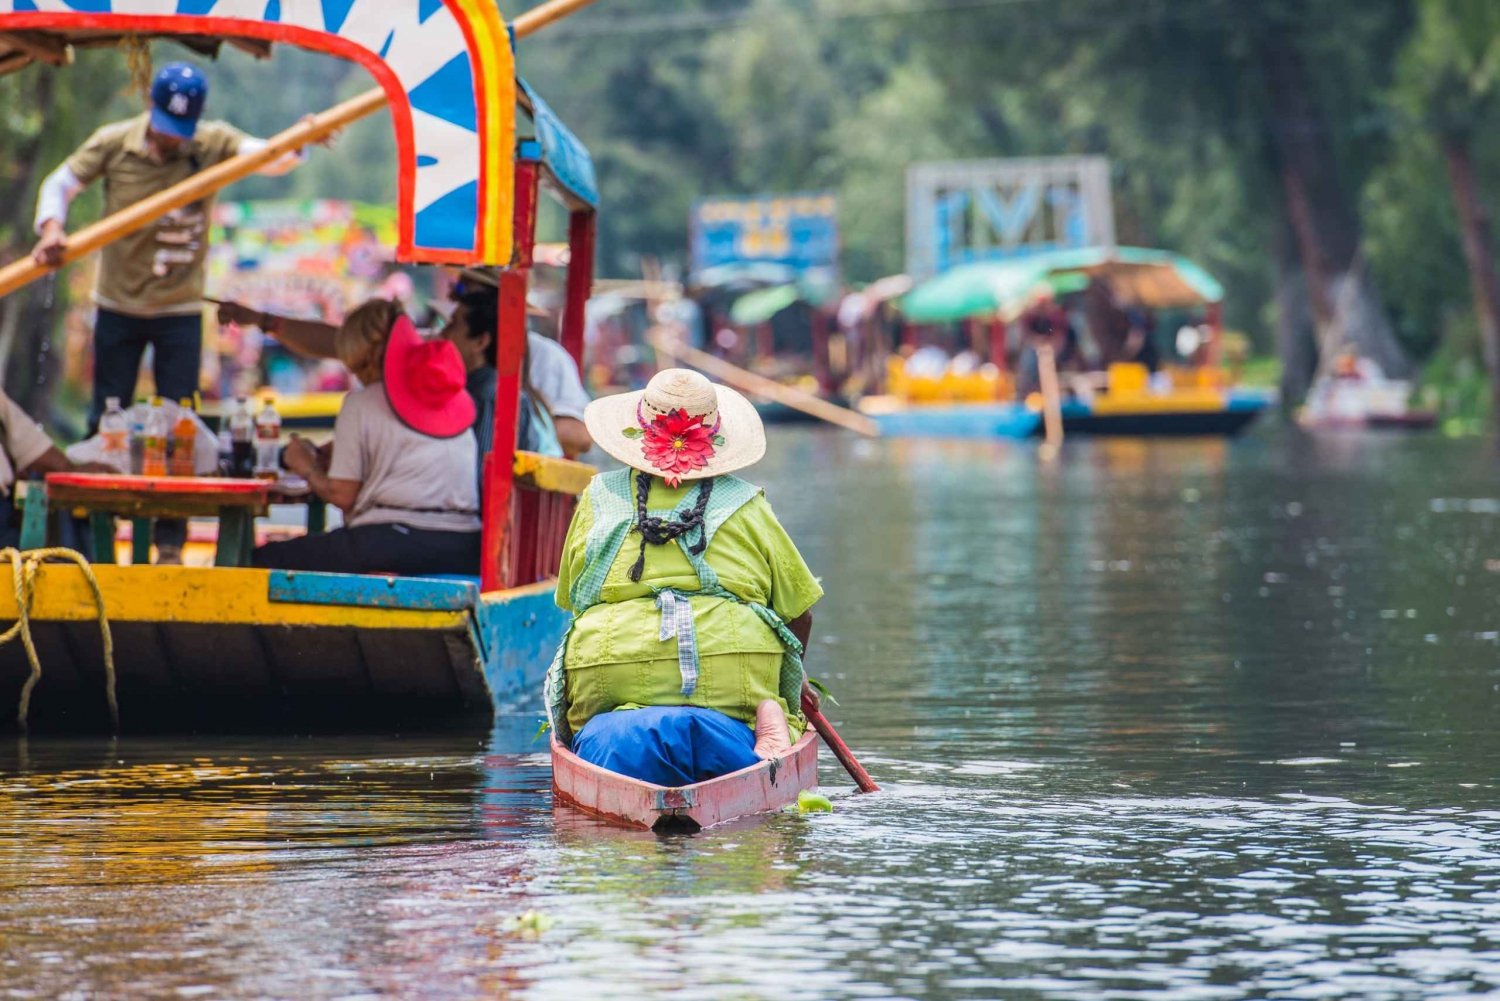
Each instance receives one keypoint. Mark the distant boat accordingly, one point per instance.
(1191, 398)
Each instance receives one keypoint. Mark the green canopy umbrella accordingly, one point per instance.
(1152, 278)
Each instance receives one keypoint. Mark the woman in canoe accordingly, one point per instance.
(691, 605)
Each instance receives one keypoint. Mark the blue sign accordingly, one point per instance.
(798, 231)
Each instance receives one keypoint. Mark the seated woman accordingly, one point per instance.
(691, 605)
(402, 464)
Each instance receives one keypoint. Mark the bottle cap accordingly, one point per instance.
(185, 403)
(156, 401)
(111, 402)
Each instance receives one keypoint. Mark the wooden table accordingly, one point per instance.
(107, 496)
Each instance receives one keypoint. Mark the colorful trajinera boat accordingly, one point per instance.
(1189, 395)
(224, 647)
(630, 802)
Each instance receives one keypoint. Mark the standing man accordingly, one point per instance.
(150, 284)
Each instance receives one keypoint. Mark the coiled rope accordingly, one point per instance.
(24, 567)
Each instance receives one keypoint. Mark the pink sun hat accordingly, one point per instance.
(425, 382)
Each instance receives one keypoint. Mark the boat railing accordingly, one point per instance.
(541, 507)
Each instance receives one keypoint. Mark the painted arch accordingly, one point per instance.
(446, 67)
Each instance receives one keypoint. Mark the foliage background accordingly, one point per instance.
(679, 99)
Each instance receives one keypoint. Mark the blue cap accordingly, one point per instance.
(177, 97)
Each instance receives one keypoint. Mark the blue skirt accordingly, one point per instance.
(667, 745)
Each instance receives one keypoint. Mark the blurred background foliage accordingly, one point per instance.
(1208, 109)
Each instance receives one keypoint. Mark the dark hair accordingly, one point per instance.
(482, 316)
(660, 531)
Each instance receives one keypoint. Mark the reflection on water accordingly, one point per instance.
(1187, 720)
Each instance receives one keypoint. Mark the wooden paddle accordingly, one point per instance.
(837, 746)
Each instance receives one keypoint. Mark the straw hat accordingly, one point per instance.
(680, 427)
(425, 382)
(488, 276)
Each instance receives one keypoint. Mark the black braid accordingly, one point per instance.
(660, 531)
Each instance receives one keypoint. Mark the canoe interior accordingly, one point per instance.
(323, 652)
(627, 802)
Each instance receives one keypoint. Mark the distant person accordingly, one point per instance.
(149, 289)
(402, 461)
(549, 373)
(553, 397)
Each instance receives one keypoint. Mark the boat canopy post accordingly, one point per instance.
(582, 225)
(510, 354)
(998, 329)
(1215, 322)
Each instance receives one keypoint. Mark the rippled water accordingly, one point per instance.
(1178, 720)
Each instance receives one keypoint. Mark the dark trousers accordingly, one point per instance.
(395, 549)
(119, 343)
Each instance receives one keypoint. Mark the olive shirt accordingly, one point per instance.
(615, 658)
(157, 270)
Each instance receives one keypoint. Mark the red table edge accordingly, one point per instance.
(195, 485)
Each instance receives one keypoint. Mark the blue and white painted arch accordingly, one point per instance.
(446, 67)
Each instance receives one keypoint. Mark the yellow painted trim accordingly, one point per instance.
(497, 81)
(544, 472)
(206, 595)
(1185, 401)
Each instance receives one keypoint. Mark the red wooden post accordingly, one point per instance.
(509, 352)
(822, 366)
(1215, 351)
(998, 345)
(581, 228)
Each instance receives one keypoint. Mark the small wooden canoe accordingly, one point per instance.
(630, 802)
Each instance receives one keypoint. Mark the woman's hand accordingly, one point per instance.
(302, 458)
(241, 315)
(810, 696)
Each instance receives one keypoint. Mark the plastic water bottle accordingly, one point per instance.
(184, 441)
(137, 419)
(114, 434)
(268, 442)
(154, 440)
(242, 439)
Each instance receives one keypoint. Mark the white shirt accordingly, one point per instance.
(405, 477)
(555, 377)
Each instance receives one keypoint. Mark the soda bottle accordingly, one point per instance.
(242, 439)
(226, 453)
(267, 442)
(137, 435)
(184, 441)
(114, 433)
(154, 440)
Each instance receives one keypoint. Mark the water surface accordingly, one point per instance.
(1169, 720)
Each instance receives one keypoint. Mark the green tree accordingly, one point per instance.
(1449, 80)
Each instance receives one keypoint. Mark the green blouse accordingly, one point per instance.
(615, 658)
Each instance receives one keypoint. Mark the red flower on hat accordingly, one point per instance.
(676, 442)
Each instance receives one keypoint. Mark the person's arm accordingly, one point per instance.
(573, 436)
(53, 461)
(308, 462)
(54, 198)
(278, 167)
(306, 337)
(801, 628)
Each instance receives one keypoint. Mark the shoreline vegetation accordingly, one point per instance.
(1214, 116)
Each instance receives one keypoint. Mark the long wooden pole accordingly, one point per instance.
(315, 128)
(759, 385)
(1046, 362)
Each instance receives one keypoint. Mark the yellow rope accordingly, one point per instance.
(23, 569)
